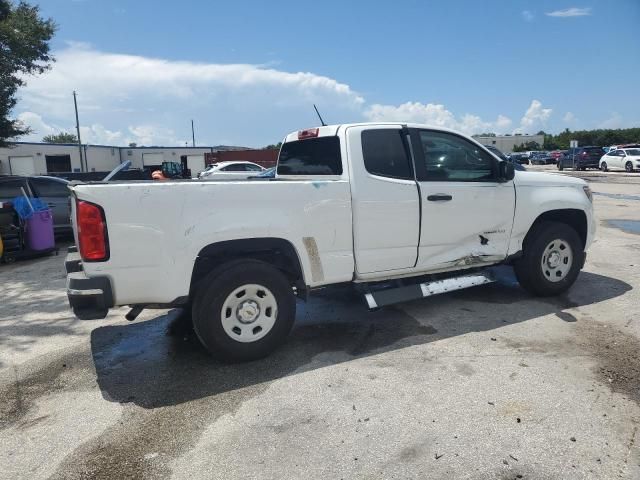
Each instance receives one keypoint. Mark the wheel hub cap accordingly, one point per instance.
(557, 260)
(248, 311)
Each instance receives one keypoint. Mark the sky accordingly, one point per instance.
(249, 72)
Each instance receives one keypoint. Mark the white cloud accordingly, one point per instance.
(570, 12)
(535, 116)
(158, 97)
(39, 128)
(614, 121)
(569, 117)
(434, 114)
(528, 15)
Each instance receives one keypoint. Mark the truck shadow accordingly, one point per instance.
(159, 362)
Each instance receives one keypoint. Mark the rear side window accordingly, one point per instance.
(385, 154)
(314, 156)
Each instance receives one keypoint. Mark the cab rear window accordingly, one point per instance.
(314, 156)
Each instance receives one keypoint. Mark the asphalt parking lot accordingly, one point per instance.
(487, 383)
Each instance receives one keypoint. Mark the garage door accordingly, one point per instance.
(152, 159)
(22, 165)
(195, 163)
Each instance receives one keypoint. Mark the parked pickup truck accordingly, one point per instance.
(400, 211)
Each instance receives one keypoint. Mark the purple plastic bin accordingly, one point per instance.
(40, 231)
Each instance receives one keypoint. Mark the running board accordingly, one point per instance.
(390, 296)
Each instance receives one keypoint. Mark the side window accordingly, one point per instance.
(237, 167)
(253, 168)
(49, 188)
(450, 158)
(11, 189)
(385, 154)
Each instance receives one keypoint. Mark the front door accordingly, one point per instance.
(467, 214)
(385, 199)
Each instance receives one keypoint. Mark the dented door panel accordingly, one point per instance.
(473, 228)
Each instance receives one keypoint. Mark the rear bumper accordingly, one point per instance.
(89, 297)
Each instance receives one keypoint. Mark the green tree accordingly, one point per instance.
(277, 145)
(24, 50)
(62, 137)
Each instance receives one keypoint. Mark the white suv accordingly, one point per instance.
(621, 158)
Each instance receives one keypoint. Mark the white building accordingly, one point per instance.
(506, 143)
(26, 158)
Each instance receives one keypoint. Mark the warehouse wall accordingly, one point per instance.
(99, 158)
(169, 154)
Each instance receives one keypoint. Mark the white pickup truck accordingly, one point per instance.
(400, 210)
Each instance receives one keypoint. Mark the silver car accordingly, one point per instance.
(51, 190)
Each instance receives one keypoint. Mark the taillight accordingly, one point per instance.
(308, 133)
(92, 232)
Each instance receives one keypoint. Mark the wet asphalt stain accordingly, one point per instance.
(617, 354)
(618, 196)
(72, 371)
(567, 317)
(628, 226)
(172, 390)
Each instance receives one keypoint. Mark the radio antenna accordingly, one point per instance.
(319, 116)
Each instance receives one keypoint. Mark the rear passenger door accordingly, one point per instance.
(467, 214)
(385, 199)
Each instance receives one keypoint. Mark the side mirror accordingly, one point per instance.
(506, 171)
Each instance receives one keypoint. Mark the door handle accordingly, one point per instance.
(439, 197)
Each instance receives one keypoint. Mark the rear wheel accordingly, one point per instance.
(604, 167)
(628, 167)
(244, 310)
(551, 260)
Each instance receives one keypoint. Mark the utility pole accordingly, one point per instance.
(75, 104)
(193, 135)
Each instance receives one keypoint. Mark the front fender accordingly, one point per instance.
(534, 201)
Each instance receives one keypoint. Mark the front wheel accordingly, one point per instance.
(552, 258)
(628, 167)
(244, 310)
(604, 167)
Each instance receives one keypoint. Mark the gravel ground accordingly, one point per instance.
(487, 383)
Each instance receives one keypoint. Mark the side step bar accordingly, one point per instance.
(390, 296)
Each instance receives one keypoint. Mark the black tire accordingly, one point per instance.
(217, 288)
(628, 167)
(604, 167)
(528, 268)
(560, 166)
